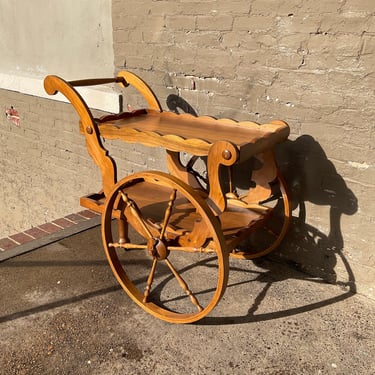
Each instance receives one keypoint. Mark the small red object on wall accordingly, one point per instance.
(12, 115)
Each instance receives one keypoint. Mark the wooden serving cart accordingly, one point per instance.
(168, 236)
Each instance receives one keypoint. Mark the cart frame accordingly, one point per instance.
(174, 215)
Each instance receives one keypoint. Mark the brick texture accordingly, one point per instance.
(45, 166)
(308, 63)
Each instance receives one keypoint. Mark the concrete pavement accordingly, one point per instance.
(62, 312)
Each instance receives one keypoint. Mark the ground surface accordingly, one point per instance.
(62, 312)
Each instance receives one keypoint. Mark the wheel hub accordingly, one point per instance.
(157, 248)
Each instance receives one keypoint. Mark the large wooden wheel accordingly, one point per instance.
(269, 235)
(165, 246)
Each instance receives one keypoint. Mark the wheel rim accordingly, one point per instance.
(269, 236)
(170, 273)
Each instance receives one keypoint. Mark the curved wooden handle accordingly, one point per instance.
(144, 89)
(54, 84)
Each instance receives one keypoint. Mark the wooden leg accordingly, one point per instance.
(122, 231)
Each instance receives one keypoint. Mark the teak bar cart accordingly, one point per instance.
(168, 236)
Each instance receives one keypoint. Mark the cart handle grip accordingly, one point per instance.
(99, 81)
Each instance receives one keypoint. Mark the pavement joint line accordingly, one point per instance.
(50, 238)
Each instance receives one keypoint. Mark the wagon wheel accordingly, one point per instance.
(268, 236)
(170, 259)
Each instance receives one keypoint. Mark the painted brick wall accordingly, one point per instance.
(308, 63)
(40, 162)
(44, 164)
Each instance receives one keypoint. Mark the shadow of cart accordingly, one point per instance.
(310, 254)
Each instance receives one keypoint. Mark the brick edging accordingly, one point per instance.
(46, 229)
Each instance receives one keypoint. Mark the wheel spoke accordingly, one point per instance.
(150, 279)
(136, 213)
(191, 249)
(276, 196)
(128, 246)
(271, 231)
(184, 286)
(168, 212)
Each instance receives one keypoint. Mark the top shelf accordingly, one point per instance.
(195, 135)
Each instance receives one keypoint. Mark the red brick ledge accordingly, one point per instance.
(46, 229)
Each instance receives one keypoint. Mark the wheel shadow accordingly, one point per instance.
(278, 272)
(313, 181)
(312, 178)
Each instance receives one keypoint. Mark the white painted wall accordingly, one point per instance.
(70, 38)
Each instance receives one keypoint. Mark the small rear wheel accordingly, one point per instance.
(165, 246)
